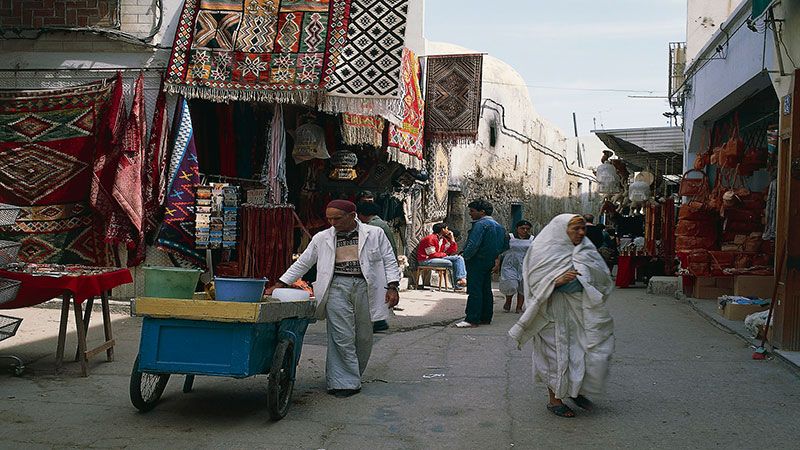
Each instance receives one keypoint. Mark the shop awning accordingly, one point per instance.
(659, 148)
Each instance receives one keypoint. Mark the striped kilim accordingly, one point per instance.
(453, 98)
(265, 50)
(177, 232)
(48, 140)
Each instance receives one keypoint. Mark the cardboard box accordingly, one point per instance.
(712, 287)
(732, 311)
(754, 286)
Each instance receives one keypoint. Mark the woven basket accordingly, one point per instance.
(8, 289)
(8, 214)
(8, 252)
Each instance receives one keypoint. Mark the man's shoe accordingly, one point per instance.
(380, 325)
(465, 324)
(344, 393)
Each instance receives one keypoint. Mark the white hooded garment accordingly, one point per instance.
(573, 333)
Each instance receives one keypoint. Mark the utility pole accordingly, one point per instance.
(578, 141)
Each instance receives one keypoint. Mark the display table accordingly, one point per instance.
(78, 288)
(627, 266)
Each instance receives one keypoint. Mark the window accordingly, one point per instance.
(549, 176)
(516, 214)
(570, 188)
(493, 134)
(580, 189)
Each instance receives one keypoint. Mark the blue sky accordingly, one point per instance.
(576, 44)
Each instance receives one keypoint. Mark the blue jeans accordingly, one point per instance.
(454, 262)
(480, 299)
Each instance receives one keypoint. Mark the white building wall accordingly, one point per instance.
(703, 19)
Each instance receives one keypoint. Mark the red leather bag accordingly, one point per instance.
(693, 187)
(753, 159)
(696, 210)
(731, 153)
(689, 243)
(696, 228)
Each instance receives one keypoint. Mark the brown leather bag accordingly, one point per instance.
(731, 154)
(693, 187)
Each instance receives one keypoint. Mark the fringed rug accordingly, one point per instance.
(366, 80)
(453, 98)
(177, 232)
(436, 195)
(407, 136)
(257, 50)
(362, 130)
(47, 143)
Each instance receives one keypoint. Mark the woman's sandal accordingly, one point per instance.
(561, 410)
(583, 402)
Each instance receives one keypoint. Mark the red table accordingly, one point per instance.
(627, 265)
(37, 289)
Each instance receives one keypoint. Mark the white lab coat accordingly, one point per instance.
(378, 264)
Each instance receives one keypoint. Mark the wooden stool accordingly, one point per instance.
(441, 271)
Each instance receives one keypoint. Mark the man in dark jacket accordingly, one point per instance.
(486, 241)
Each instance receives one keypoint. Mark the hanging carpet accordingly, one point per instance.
(407, 137)
(155, 167)
(436, 195)
(267, 241)
(362, 130)
(177, 232)
(257, 50)
(48, 142)
(453, 98)
(366, 79)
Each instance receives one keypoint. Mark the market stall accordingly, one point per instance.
(726, 226)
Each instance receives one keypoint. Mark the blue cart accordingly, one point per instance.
(227, 339)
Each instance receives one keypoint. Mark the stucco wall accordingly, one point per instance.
(703, 19)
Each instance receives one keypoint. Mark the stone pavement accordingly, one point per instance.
(677, 382)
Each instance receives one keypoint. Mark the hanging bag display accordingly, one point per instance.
(731, 153)
(693, 187)
(703, 159)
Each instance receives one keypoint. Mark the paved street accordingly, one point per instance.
(677, 382)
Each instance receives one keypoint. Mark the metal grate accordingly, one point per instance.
(8, 289)
(8, 252)
(8, 326)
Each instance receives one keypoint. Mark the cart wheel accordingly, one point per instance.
(279, 388)
(188, 383)
(146, 388)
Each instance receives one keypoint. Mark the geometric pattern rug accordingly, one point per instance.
(453, 98)
(256, 50)
(47, 144)
(370, 62)
(436, 195)
(407, 136)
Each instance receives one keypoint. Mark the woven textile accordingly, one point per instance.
(177, 232)
(156, 165)
(415, 221)
(366, 80)
(362, 130)
(127, 190)
(436, 195)
(407, 136)
(264, 50)
(453, 98)
(47, 143)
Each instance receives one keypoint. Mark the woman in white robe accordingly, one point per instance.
(566, 286)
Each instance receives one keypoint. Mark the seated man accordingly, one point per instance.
(439, 249)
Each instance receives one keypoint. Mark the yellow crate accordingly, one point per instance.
(267, 311)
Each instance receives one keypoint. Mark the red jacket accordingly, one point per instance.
(433, 246)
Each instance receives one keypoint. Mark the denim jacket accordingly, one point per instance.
(486, 240)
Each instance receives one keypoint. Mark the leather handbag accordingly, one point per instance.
(693, 187)
(731, 153)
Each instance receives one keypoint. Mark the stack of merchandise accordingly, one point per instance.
(217, 216)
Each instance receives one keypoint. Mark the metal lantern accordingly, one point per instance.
(343, 163)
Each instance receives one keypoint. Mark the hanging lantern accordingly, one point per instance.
(344, 162)
(607, 173)
(639, 191)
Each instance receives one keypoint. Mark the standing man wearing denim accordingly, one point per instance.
(486, 241)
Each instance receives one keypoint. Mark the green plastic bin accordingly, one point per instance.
(170, 282)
